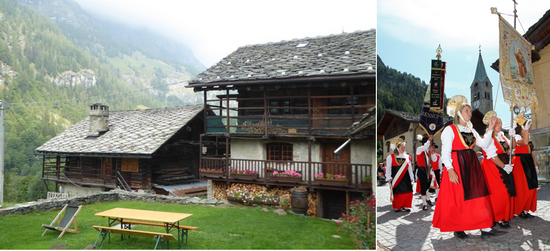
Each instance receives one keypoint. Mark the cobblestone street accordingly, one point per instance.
(413, 230)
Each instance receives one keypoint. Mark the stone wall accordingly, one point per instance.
(114, 195)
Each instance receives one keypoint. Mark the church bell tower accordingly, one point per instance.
(481, 89)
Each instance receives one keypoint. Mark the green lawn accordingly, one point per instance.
(220, 227)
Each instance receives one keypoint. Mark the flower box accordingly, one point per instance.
(332, 182)
(286, 178)
(211, 174)
(245, 176)
(366, 184)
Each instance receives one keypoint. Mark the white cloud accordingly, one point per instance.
(457, 24)
(215, 28)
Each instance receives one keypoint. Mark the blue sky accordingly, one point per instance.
(409, 33)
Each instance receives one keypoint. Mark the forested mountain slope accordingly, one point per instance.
(398, 91)
(52, 68)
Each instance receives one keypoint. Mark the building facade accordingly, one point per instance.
(291, 106)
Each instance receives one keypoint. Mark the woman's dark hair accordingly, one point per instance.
(518, 129)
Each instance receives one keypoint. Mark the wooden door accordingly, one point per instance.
(106, 169)
(337, 163)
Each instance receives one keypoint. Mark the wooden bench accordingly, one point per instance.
(104, 231)
(183, 231)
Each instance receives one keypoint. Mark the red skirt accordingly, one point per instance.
(501, 201)
(525, 199)
(402, 200)
(453, 213)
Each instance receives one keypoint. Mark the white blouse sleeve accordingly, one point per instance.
(447, 137)
(388, 167)
(410, 169)
(491, 151)
(423, 148)
(484, 142)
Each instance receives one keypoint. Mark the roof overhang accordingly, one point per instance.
(222, 85)
(97, 155)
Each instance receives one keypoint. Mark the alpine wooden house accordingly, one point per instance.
(300, 105)
(127, 149)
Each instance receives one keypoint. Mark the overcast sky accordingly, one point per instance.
(409, 32)
(215, 28)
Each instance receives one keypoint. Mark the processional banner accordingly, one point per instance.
(431, 116)
(516, 70)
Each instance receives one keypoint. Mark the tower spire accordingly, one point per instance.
(481, 74)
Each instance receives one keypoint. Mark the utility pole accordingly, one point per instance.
(515, 13)
(1, 153)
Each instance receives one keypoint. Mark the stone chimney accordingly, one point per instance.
(99, 119)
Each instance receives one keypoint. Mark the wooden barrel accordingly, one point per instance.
(299, 202)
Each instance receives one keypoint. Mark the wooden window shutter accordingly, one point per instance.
(130, 165)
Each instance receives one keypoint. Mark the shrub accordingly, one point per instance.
(360, 222)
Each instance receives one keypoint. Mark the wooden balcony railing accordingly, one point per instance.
(80, 176)
(265, 169)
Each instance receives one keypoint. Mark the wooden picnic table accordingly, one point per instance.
(169, 220)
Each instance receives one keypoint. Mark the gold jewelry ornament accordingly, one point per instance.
(454, 104)
(487, 117)
(520, 119)
(396, 142)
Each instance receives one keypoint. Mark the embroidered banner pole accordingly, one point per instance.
(515, 68)
(431, 115)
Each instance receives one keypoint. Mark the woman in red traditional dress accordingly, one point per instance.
(399, 175)
(463, 202)
(525, 171)
(497, 171)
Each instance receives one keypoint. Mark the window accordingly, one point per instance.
(279, 151)
(280, 107)
(130, 165)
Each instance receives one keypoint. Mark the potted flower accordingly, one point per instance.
(366, 181)
(210, 171)
(247, 197)
(336, 179)
(243, 173)
(287, 175)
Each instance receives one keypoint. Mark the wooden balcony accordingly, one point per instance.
(265, 169)
(278, 113)
(92, 177)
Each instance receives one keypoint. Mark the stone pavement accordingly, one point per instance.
(413, 230)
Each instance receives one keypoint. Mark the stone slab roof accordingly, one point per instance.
(139, 132)
(369, 119)
(334, 55)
